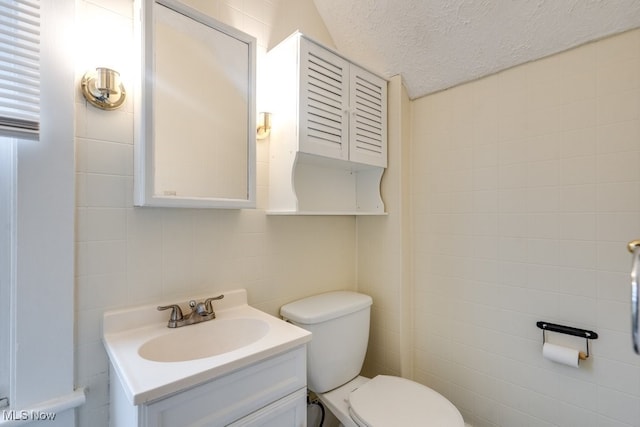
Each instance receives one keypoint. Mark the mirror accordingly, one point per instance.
(195, 116)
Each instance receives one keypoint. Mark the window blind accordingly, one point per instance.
(20, 68)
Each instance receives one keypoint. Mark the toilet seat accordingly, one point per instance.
(394, 401)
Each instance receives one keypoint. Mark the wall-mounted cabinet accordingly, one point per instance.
(195, 133)
(329, 136)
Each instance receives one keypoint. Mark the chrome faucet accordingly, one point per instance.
(200, 312)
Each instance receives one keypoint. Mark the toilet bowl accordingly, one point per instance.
(339, 323)
(390, 401)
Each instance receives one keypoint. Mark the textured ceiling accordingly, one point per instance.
(437, 44)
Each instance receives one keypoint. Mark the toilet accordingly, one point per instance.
(339, 323)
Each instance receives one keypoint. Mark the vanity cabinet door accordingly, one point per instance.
(324, 102)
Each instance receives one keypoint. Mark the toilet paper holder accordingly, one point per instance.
(569, 330)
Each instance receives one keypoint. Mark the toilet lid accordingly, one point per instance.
(393, 401)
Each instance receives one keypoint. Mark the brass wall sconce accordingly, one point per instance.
(264, 125)
(103, 89)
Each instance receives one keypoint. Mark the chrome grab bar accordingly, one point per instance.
(634, 248)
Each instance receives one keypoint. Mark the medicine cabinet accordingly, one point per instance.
(194, 109)
(329, 135)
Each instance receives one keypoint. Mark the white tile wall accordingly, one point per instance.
(127, 255)
(526, 188)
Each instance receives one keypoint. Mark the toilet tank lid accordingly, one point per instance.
(323, 307)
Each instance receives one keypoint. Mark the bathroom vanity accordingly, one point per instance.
(243, 368)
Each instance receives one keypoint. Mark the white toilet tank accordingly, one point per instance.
(339, 322)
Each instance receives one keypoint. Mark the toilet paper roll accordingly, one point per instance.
(559, 354)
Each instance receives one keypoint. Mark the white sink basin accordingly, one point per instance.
(202, 340)
(153, 361)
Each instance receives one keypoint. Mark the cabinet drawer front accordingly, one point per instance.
(233, 396)
(290, 411)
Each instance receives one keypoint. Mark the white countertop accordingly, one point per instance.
(124, 331)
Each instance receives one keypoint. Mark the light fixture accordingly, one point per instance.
(264, 125)
(103, 89)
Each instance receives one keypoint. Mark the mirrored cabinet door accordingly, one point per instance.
(195, 116)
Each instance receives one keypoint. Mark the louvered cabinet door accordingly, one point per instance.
(368, 118)
(324, 96)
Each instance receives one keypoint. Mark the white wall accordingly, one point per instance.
(42, 300)
(127, 256)
(526, 189)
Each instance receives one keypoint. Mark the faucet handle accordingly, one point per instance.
(176, 312)
(207, 303)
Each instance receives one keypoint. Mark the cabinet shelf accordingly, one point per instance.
(316, 185)
(324, 213)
